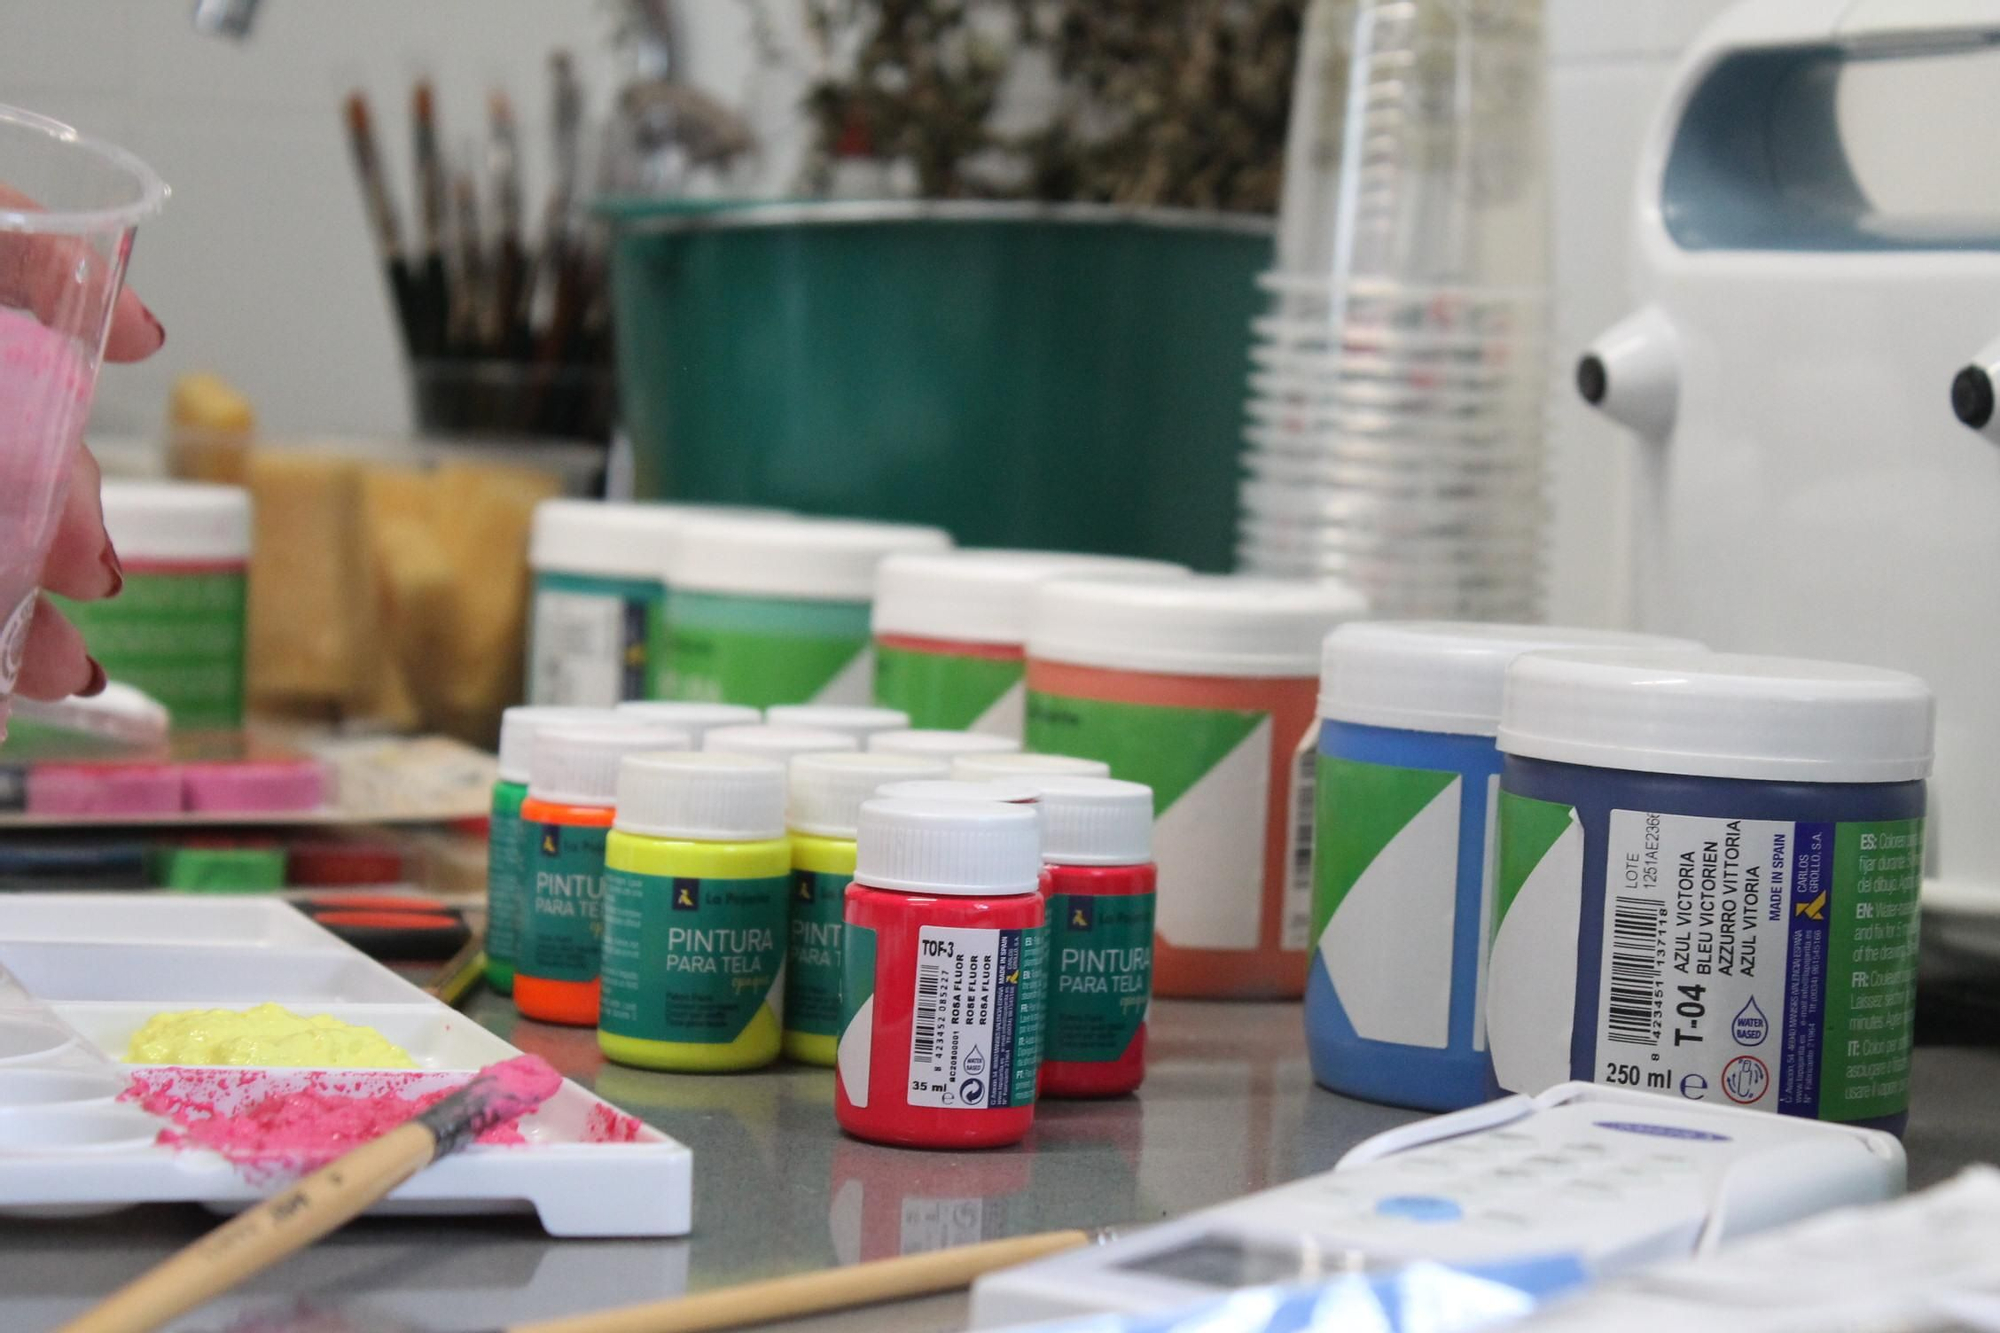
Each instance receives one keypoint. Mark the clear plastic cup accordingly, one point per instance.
(68, 207)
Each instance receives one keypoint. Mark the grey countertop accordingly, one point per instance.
(1228, 1107)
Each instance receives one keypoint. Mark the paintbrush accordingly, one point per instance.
(470, 286)
(503, 166)
(325, 1200)
(431, 195)
(381, 210)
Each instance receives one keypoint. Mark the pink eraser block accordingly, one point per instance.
(271, 786)
(104, 789)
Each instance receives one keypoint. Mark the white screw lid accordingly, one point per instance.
(1016, 791)
(177, 520)
(814, 559)
(578, 765)
(1444, 676)
(969, 848)
(1005, 767)
(615, 539)
(982, 596)
(697, 719)
(780, 743)
(1096, 822)
(1203, 625)
(1719, 715)
(827, 790)
(856, 721)
(701, 797)
(519, 724)
(945, 745)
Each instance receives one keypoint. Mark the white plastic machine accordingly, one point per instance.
(1814, 386)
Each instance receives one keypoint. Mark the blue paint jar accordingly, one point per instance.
(1708, 880)
(1404, 784)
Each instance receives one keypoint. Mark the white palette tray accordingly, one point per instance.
(80, 973)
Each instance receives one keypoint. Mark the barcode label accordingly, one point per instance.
(966, 1024)
(923, 1031)
(1632, 971)
(1299, 844)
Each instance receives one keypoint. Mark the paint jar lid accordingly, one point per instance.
(1438, 675)
(1203, 625)
(982, 596)
(519, 724)
(1016, 791)
(855, 721)
(1096, 822)
(1008, 767)
(827, 790)
(1719, 715)
(702, 797)
(615, 539)
(813, 559)
(696, 719)
(780, 743)
(177, 520)
(946, 745)
(970, 848)
(578, 764)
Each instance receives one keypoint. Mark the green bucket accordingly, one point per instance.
(1024, 375)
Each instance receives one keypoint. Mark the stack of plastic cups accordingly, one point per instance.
(1395, 412)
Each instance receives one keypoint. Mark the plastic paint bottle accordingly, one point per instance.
(943, 989)
(572, 785)
(945, 745)
(1201, 689)
(509, 840)
(1014, 767)
(857, 721)
(780, 743)
(697, 870)
(826, 795)
(950, 629)
(768, 611)
(1407, 779)
(1097, 836)
(697, 720)
(1709, 876)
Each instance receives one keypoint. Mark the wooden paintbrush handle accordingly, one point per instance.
(815, 1293)
(253, 1240)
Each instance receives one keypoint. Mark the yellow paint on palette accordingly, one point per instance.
(267, 1034)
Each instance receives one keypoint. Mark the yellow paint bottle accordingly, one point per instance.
(825, 803)
(696, 874)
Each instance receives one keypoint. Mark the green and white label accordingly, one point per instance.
(1101, 951)
(764, 651)
(690, 959)
(1531, 972)
(593, 641)
(976, 1017)
(1210, 771)
(562, 930)
(1386, 896)
(176, 635)
(508, 842)
(953, 692)
(855, 1053)
(812, 978)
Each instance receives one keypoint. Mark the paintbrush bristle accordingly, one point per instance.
(497, 1095)
(421, 102)
(357, 114)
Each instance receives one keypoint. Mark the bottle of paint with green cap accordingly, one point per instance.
(823, 811)
(697, 869)
(508, 838)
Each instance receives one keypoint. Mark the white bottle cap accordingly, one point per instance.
(982, 596)
(948, 847)
(829, 560)
(578, 764)
(856, 721)
(614, 539)
(697, 719)
(1719, 715)
(1096, 822)
(519, 724)
(946, 745)
(701, 797)
(1203, 625)
(827, 789)
(1014, 791)
(780, 743)
(177, 520)
(1443, 676)
(1005, 767)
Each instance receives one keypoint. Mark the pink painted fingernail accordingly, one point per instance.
(114, 567)
(97, 682)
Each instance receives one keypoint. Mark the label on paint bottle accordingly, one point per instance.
(691, 960)
(857, 1011)
(1765, 962)
(509, 843)
(1101, 950)
(763, 651)
(592, 640)
(952, 692)
(976, 1026)
(1537, 916)
(1297, 926)
(813, 960)
(563, 927)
